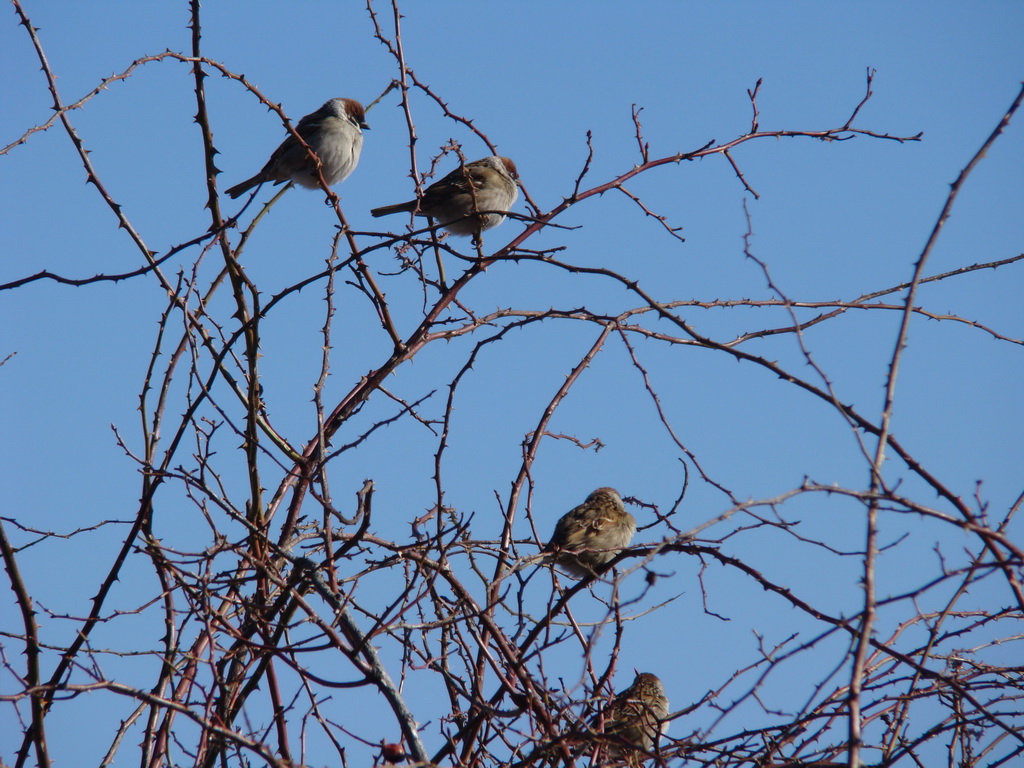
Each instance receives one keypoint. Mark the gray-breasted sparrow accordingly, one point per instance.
(589, 537)
(334, 132)
(457, 200)
(632, 723)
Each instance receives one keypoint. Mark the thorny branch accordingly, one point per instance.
(273, 620)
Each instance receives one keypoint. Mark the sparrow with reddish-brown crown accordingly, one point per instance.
(469, 200)
(334, 132)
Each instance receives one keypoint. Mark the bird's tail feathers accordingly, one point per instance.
(387, 210)
(240, 189)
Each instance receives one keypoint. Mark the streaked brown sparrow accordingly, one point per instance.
(459, 200)
(334, 132)
(632, 723)
(589, 537)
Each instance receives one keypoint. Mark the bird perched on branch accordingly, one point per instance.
(589, 537)
(334, 132)
(624, 732)
(631, 724)
(468, 200)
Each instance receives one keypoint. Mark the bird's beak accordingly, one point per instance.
(364, 125)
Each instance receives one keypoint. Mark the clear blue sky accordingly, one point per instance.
(833, 221)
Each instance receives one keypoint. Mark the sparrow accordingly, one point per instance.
(460, 199)
(632, 723)
(589, 537)
(334, 132)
